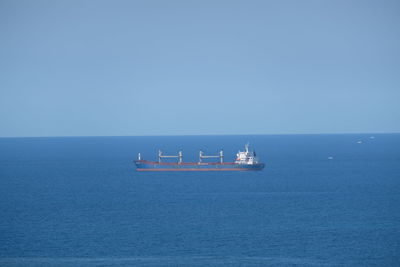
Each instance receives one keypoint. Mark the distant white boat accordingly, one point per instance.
(330, 157)
(359, 142)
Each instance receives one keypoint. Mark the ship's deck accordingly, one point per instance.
(184, 163)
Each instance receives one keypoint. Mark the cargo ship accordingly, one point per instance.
(245, 161)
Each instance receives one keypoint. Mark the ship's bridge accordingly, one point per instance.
(246, 157)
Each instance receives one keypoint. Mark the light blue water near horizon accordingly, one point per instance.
(78, 202)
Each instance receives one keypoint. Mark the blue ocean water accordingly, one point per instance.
(79, 202)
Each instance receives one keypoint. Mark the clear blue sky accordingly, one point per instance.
(77, 68)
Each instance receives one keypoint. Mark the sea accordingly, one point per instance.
(322, 200)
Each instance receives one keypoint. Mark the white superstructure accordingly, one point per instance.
(246, 157)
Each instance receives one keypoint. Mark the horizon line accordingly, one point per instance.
(177, 135)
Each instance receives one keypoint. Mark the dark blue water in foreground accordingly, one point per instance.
(79, 202)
